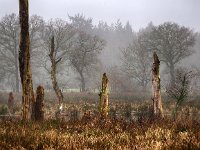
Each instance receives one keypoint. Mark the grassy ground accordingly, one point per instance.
(91, 132)
(95, 133)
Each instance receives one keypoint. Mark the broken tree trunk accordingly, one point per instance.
(39, 105)
(28, 99)
(157, 103)
(104, 97)
(54, 63)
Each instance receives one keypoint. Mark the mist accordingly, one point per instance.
(99, 74)
(138, 13)
(117, 23)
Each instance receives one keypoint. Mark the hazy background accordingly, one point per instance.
(138, 12)
(118, 22)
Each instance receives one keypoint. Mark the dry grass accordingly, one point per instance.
(101, 134)
(91, 132)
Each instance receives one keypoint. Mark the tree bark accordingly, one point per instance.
(39, 105)
(82, 82)
(104, 97)
(157, 102)
(144, 86)
(28, 99)
(53, 72)
(17, 81)
(172, 73)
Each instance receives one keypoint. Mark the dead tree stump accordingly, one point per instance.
(11, 102)
(157, 102)
(74, 115)
(39, 104)
(104, 97)
(54, 62)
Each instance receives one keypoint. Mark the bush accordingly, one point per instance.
(4, 110)
(144, 111)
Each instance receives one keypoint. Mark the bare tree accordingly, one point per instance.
(86, 46)
(2, 74)
(9, 33)
(136, 60)
(119, 81)
(83, 54)
(56, 37)
(81, 23)
(173, 43)
(28, 99)
(36, 26)
(9, 41)
(54, 63)
(180, 89)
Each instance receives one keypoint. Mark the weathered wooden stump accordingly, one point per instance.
(104, 97)
(74, 115)
(11, 102)
(39, 104)
(157, 102)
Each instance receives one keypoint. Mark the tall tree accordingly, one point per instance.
(128, 32)
(136, 60)
(80, 22)
(2, 74)
(9, 33)
(181, 89)
(57, 39)
(119, 26)
(54, 63)
(28, 99)
(83, 54)
(9, 41)
(36, 26)
(173, 43)
(119, 80)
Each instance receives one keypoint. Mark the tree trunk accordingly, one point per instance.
(28, 99)
(144, 87)
(157, 103)
(17, 81)
(172, 73)
(53, 73)
(82, 82)
(104, 97)
(39, 105)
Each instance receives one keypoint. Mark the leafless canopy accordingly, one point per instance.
(172, 42)
(136, 60)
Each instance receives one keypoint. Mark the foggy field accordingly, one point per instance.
(123, 130)
(99, 75)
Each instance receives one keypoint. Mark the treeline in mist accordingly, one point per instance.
(82, 51)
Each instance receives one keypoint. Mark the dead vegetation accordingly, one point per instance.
(128, 126)
(93, 134)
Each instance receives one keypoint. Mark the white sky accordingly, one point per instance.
(138, 12)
